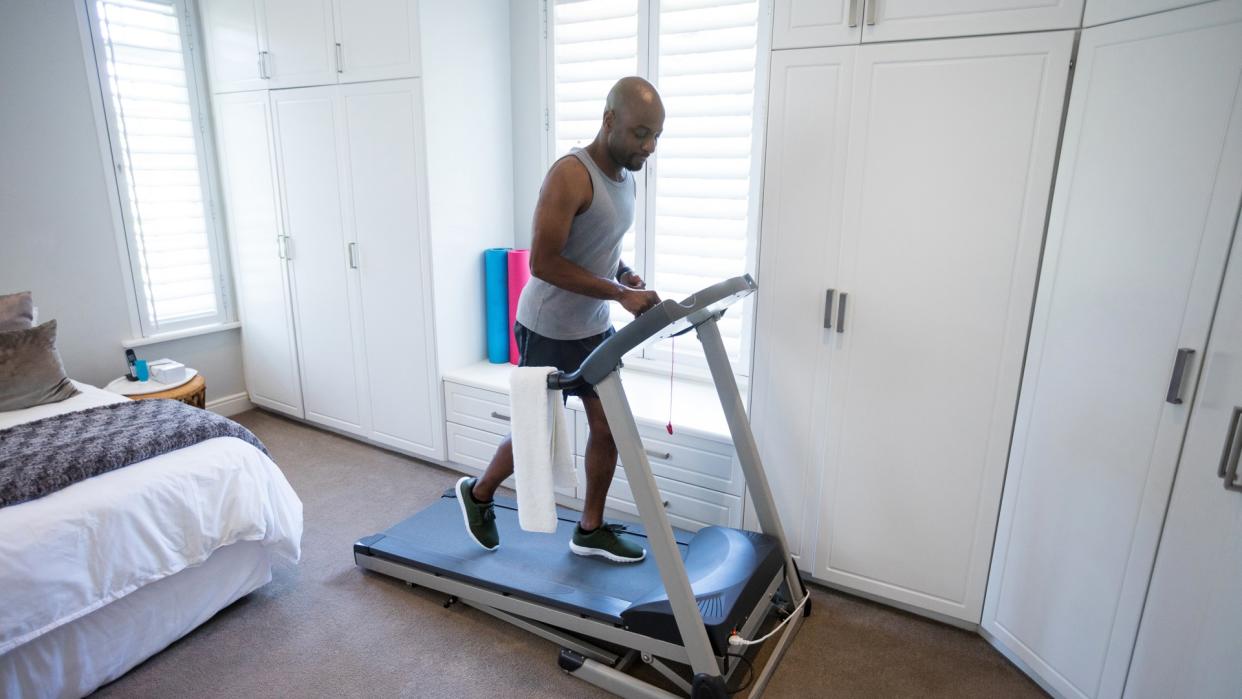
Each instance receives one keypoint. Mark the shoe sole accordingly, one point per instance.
(465, 516)
(585, 551)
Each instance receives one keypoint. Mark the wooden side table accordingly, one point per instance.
(192, 392)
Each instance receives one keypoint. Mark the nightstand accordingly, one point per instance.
(192, 392)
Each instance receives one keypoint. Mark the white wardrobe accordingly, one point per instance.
(905, 192)
(328, 210)
(272, 44)
(1117, 393)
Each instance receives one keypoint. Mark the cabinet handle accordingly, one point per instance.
(841, 312)
(340, 60)
(666, 504)
(658, 455)
(1233, 450)
(871, 4)
(853, 13)
(1179, 375)
(264, 72)
(498, 416)
(281, 249)
(828, 309)
(353, 256)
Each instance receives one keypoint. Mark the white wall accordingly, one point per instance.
(529, 154)
(465, 46)
(56, 226)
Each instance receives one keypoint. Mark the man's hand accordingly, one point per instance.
(632, 280)
(637, 301)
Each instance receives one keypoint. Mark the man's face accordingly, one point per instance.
(633, 133)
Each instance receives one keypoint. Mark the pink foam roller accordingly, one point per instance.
(519, 274)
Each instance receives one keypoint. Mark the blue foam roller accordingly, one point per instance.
(496, 276)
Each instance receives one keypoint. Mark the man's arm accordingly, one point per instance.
(566, 190)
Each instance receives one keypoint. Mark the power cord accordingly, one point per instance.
(750, 673)
(737, 640)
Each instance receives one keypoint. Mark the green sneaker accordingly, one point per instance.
(480, 517)
(605, 543)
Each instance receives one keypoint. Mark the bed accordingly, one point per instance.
(101, 575)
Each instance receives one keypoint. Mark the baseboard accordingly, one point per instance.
(903, 606)
(230, 405)
(1019, 663)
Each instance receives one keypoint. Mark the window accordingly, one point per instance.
(698, 194)
(152, 106)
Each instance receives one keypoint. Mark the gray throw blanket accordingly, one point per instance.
(41, 457)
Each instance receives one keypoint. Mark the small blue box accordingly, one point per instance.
(140, 368)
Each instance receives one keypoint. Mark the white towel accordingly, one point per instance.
(541, 454)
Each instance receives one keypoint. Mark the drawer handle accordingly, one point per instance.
(498, 416)
(658, 455)
(666, 504)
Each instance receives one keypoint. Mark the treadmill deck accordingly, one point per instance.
(541, 568)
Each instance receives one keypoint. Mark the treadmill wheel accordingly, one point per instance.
(708, 687)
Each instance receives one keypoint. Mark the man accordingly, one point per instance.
(585, 207)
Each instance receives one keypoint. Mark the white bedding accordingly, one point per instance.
(66, 554)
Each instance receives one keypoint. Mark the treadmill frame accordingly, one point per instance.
(594, 664)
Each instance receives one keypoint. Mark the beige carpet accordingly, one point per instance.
(328, 629)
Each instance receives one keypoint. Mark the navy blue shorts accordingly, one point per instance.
(567, 355)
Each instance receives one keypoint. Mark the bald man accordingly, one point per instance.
(585, 207)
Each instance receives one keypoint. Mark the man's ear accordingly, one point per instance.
(609, 118)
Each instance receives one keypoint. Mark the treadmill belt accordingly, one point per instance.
(531, 566)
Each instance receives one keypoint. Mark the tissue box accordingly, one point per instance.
(167, 371)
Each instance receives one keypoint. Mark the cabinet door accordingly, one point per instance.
(248, 175)
(804, 183)
(378, 39)
(894, 20)
(300, 49)
(231, 35)
(1146, 199)
(1188, 641)
(1104, 11)
(808, 23)
(332, 371)
(386, 215)
(952, 145)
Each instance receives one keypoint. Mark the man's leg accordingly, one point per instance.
(601, 463)
(500, 468)
(591, 538)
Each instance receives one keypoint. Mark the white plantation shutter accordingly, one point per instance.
(706, 76)
(693, 224)
(596, 44)
(157, 146)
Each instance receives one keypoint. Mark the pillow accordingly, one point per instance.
(16, 312)
(30, 369)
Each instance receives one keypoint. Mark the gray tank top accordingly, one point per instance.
(594, 243)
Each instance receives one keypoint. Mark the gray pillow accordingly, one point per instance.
(16, 312)
(30, 369)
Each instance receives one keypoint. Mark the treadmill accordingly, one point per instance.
(676, 610)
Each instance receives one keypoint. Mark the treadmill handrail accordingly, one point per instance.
(653, 324)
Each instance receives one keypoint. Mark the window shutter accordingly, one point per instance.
(596, 44)
(707, 53)
(145, 69)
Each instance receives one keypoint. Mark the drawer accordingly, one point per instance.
(474, 449)
(689, 507)
(476, 407)
(681, 457)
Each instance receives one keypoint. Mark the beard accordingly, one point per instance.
(628, 160)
